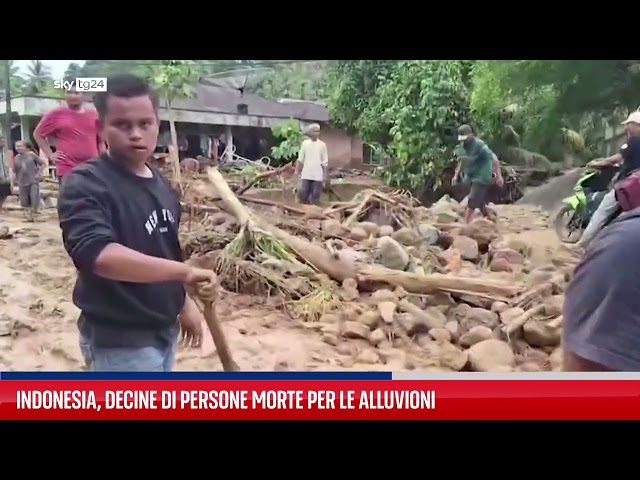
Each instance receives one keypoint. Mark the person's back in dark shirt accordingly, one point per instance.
(602, 303)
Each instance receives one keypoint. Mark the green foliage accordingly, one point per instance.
(107, 68)
(37, 80)
(289, 137)
(174, 78)
(72, 72)
(351, 93)
(16, 81)
(511, 110)
(302, 81)
(552, 106)
(425, 102)
(406, 109)
(411, 108)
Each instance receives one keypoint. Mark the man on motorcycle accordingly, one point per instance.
(629, 157)
(479, 168)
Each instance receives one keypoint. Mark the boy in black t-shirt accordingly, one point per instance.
(629, 156)
(119, 220)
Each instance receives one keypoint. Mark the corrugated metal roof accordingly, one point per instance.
(210, 96)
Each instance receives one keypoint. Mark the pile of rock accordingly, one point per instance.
(419, 288)
(448, 331)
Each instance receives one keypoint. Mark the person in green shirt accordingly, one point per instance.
(479, 167)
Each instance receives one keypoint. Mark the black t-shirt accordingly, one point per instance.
(630, 152)
(101, 202)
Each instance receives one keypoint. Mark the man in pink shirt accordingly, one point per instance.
(75, 130)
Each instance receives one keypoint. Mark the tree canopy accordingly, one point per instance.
(525, 108)
(407, 110)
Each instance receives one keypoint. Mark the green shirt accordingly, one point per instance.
(478, 167)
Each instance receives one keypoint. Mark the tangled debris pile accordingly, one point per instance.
(387, 274)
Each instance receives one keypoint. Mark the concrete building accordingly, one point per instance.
(240, 119)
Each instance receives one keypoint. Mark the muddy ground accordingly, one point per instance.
(38, 320)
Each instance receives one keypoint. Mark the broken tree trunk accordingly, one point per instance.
(313, 254)
(426, 284)
(366, 275)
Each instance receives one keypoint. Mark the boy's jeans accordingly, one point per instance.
(145, 359)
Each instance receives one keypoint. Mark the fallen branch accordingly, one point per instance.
(222, 347)
(519, 322)
(262, 176)
(366, 275)
(359, 210)
(426, 284)
(335, 208)
(397, 206)
(543, 289)
(272, 203)
(205, 296)
(314, 255)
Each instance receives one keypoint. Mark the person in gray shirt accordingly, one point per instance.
(601, 318)
(28, 168)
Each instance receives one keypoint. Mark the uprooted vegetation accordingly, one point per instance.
(385, 273)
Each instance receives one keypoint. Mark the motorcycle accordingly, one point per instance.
(590, 189)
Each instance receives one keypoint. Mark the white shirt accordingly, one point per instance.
(314, 158)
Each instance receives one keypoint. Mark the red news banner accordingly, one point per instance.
(320, 400)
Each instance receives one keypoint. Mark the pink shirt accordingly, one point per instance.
(76, 135)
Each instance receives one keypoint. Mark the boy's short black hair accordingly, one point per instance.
(124, 86)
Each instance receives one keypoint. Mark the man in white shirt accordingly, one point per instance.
(312, 166)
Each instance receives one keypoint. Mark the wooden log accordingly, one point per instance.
(366, 275)
(314, 255)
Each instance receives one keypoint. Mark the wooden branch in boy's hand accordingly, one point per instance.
(207, 294)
